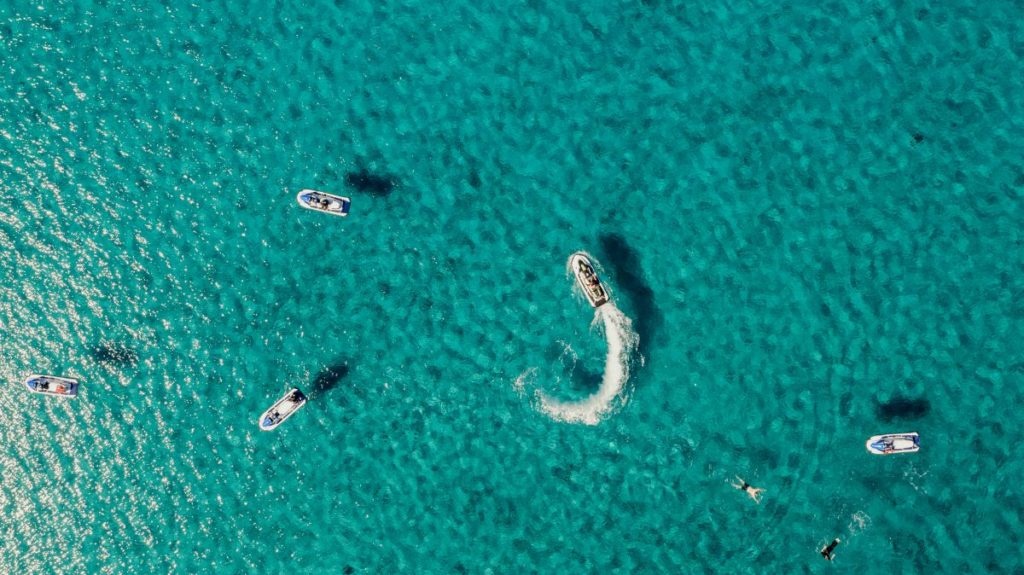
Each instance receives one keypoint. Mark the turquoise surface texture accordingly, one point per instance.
(809, 216)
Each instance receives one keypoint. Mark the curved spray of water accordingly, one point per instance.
(622, 346)
(622, 342)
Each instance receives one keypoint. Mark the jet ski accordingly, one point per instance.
(52, 385)
(588, 280)
(282, 409)
(893, 443)
(323, 202)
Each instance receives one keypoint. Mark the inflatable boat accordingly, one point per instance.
(282, 409)
(893, 443)
(588, 280)
(52, 385)
(323, 202)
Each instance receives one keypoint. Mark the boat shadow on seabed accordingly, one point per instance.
(902, 408)
(624, 264)
(328, 378)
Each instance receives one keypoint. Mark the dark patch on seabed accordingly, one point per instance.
(113, 353)
(624, 263)
(369, 183)
(903, 408)
(329, 377)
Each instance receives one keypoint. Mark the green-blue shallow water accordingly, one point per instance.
(810, 213)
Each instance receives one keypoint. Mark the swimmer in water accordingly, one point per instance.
(826, 552)
(753, 492)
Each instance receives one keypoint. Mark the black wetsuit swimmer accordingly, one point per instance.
(826, 552)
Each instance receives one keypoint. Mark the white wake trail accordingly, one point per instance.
(622, 343)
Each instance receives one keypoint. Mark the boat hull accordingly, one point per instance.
(282, 409)
(892, 443)
(52, 385)
(587, 279)
(323, 202)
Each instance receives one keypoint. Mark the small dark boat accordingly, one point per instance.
(323, 202)
(282, 409)
(588, 280)
(52, 385)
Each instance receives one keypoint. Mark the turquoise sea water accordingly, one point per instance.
(810, 214)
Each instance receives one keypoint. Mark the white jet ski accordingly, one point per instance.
(588, 280)
(893, 443)
(52, 385)
(323, 202)
(282, 409)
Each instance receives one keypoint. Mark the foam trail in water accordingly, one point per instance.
(622, 342)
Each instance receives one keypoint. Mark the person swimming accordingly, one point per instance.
(753, 492)
(826, 552)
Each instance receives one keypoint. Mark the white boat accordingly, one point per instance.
(282, 409)
(588, 280)
(893, 443)
(323, 202)
(52, 385)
